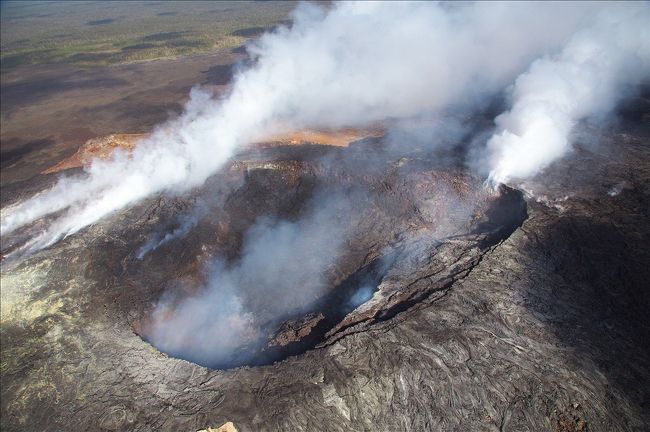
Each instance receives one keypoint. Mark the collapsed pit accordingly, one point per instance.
(409, 228)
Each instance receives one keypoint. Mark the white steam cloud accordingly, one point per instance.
(155, 240)
(586, 78)
(282, 270)
(366, 62)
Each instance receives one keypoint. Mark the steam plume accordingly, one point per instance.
(282, 271)
(365, 62)
(185, 225)
(586, 78)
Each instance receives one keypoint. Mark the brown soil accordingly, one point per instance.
(49, 111)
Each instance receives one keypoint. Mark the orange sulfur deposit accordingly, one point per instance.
(104, 147)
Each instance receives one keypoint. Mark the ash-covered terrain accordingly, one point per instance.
(312, 249)
(513, 312)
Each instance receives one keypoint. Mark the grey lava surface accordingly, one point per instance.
(524, 309)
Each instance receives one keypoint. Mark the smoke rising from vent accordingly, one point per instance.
(155, 240)
(586, 78)
(282, 270)
(366, 62)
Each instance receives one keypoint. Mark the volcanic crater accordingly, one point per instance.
(426, 249)
(409, 228)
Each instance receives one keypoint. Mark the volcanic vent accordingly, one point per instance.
(293, 247)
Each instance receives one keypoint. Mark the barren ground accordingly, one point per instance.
(536, 323)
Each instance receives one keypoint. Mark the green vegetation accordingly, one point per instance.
(105, 33)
